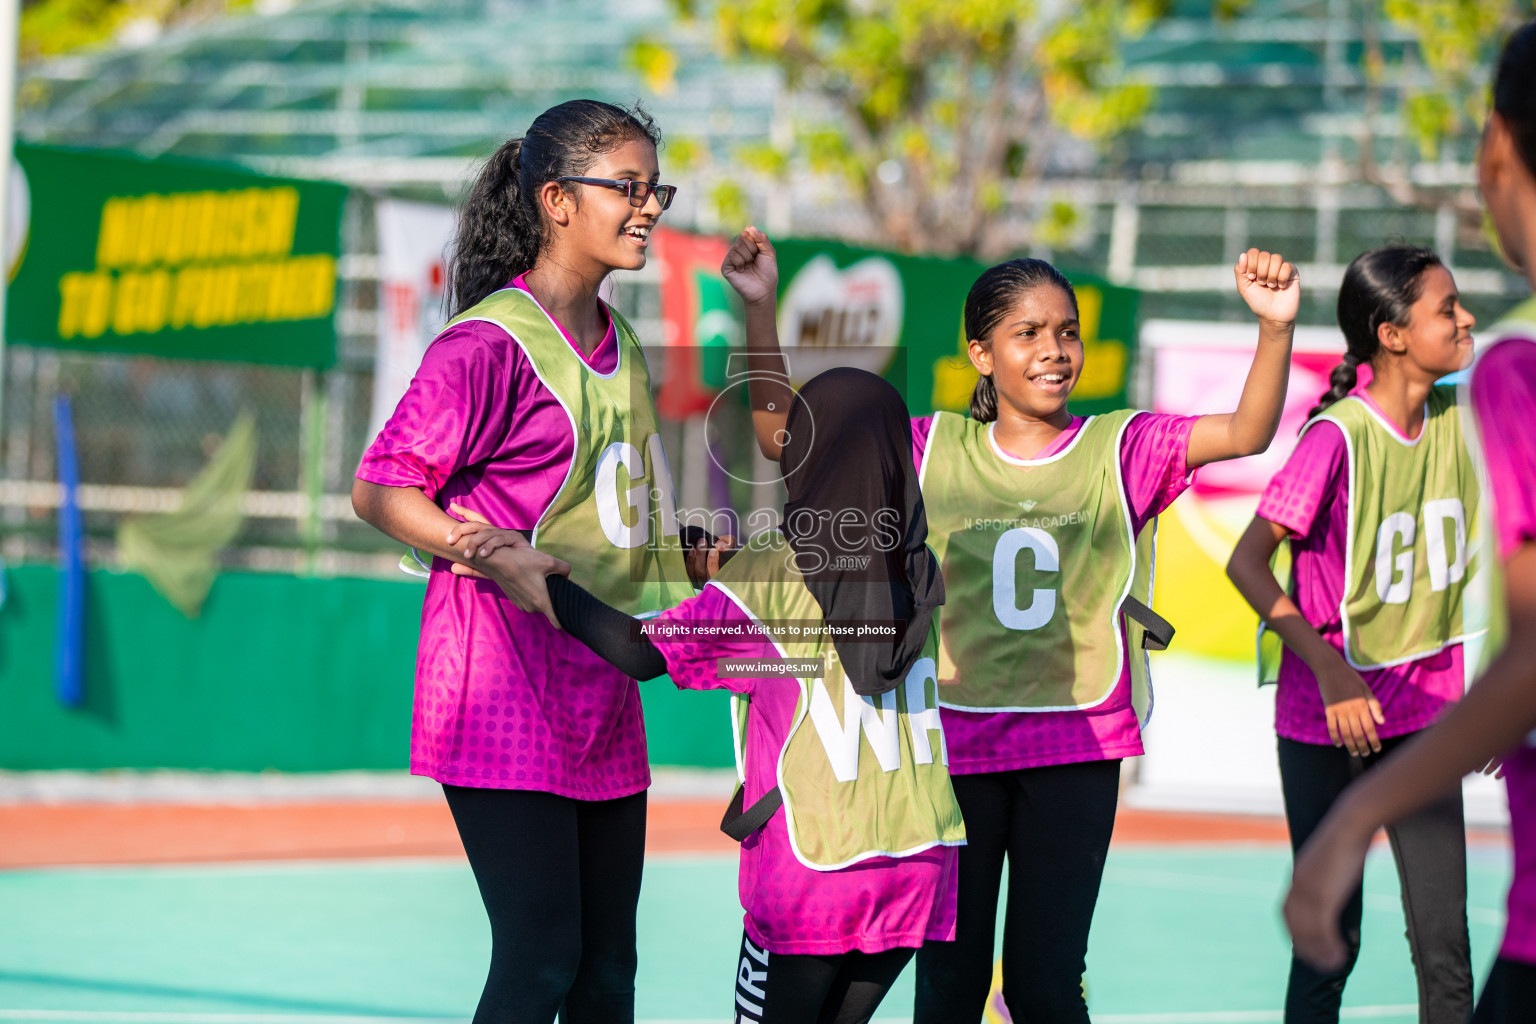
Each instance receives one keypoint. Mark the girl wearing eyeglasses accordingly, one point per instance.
(533, 407)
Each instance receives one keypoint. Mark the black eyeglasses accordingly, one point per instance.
(639, 192)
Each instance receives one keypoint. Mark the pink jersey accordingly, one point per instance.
(1152, 454)
(1504, 398)
(1310, 498)
(503, 700)
(874, 905)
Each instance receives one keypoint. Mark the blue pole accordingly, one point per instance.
(71, 635)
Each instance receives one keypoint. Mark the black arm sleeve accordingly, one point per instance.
(610, 633)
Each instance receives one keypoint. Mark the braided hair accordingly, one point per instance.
(1380, 287)
(501, 226)
(989, 300)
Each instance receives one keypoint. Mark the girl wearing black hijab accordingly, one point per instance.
(825, 635)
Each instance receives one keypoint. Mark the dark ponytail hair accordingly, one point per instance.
(1514, 91)
(1380, 287)
(993, 294)
(501, 227)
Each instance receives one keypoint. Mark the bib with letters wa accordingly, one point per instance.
(1413, 541)
(614, 518)
(861, 777)
(1038, 555)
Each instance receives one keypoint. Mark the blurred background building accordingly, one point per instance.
(1301, 125)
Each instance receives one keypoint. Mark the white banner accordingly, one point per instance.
(413, 246)
(1209, 708)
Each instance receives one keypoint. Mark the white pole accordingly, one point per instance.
(10, 13)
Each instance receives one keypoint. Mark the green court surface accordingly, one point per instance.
(1183, 934)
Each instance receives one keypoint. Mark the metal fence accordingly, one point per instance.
(145, 426)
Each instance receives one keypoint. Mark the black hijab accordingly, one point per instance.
(848, 456)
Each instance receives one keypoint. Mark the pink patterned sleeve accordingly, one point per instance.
(1504, 400)
(454, 414)
(922, 426)
(1313, 475)
(1152, 462)
(704, 629)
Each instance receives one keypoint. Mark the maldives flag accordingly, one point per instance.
(699, 321)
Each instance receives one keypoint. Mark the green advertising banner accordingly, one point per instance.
(173, 258)
(843, 297)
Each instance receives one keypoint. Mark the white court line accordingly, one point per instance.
(1216, 885)
(153, 1017)
(1394, 904)
(1408, 1010)
(158, 1017)
(1181, 882)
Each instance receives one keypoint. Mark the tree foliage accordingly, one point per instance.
(1454, 41)
(1440, 85)
(928, 112)
(53, 27)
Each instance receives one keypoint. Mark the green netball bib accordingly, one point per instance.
(1412, 541)
(861, 777)
(1484, 598)
(1038, 556)
(614, 518)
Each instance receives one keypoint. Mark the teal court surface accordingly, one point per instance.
(1184, 935)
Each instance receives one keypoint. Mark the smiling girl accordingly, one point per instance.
(1041, 521)
(1376, 502)
(533, 408)
(1495, 718)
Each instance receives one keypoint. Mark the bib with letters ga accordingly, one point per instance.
(614, 518)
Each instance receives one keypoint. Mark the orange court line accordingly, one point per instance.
(1134, 825)
(41, 834)
(37, 835)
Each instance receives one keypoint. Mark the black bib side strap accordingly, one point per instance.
(739, 825)
(1159, 630)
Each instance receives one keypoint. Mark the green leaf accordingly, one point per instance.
(730, 202)
(909, 81)
(657, 64)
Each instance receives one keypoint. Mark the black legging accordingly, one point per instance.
(801, 988)
(1053, 825)
(1431, 851)
(561, 880)
(1509, 997)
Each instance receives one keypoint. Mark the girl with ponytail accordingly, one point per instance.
(1042, 521)
(1377, 504)
(524, 410)
(1493, 722)
(1380, 288)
